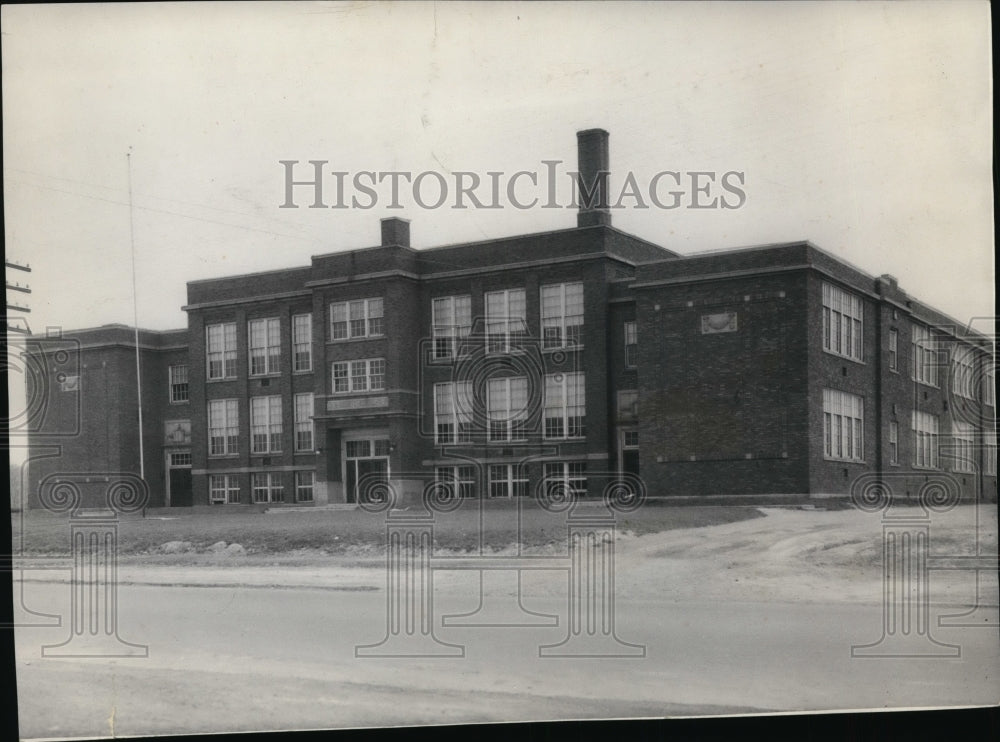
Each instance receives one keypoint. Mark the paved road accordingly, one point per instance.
(238, 658)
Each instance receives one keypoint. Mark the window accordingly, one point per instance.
(304, 486)
(302, 342)
(562, 315)
(224, 489)
(962, 441)
(925, 366)
(356, 319)
(178, 383)
(460, 480)
(507, 408)
(843, 425)
(505, 320)
(451, 320)
(359, 376)
(571, 475)
(925, 440)
(267, 487)
(990, 454)
(565, 407)
(628, 405)
(988, 381)
(843, 322)
(894, 443)
(631, 344)
(453, 412)
(223, 427)
(265, 424)
(630, 439)
(508, 480)
(265, 346)
(963, 377)
(220, 349)
(893, 349)
(303, 421)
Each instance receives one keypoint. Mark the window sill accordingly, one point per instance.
(562, 348)
(927, 384)
(218, 456)
(218, 381)
(184, 401)
(338, 341)
(835, 354)
(272, 375)
(837, 460)
(302, 372)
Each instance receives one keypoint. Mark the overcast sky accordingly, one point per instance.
(863, 127)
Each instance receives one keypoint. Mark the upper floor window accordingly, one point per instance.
(507, 408)
(451, 320)
(631, 344)
(302, 342)
(223, 427)
(356, 319)
(367, 375)
(178, 383)
(565, 405)
(990, 454)
(453, 412)
(893, 443)
(989, 380)
(925, 357)
(963, 377)
(505, 320)
(303, 421)
(562, 315)
(843, 425)
(925, 440)
(220, 350)
(843, 322)
(893, 349)
(265, 424)
(264, 346)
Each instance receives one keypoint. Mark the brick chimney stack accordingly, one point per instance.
(395, 231)
(592, 184)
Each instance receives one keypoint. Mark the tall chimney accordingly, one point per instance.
(395, 231)
(593, 165)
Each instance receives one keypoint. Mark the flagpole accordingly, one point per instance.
(135, 316)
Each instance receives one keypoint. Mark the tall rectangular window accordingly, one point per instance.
(366, 375)
(451, 321)
(265, 424)
(304, 486)
(990, 454)
(893, 350)
(925, 440)
(843, 322)
(453, 412)
(843, 425)
(267, 487)
(178, 384)
(925, 357)
(963, 376)
(963, 438)
(302, 342)
(223, 427)
(460, 481)
(893, 443)
(507, 408)
(303, 421)
(631, 344)
(506, 323)
(224, 489)
(265, 346)
(562, 315)
(220, 350)
(989, 380)
(565, 405)
(568, 475)
(356, 319)
(508, 480)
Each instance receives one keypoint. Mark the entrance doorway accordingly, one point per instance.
(366, 464)
(628, 451)
(179, 479)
